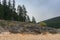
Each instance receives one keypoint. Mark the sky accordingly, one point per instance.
(41, 9)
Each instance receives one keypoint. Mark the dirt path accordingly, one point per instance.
(29, 37)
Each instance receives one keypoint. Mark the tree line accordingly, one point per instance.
(8, 12)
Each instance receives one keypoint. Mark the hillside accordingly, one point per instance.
(53, 22)
(23, 27)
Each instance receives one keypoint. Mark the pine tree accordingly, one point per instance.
(9, 10)
(33, 20)
(0, 1)
(13, 10)
(27, 19)
(4, 2)
(24, 13)
(4, 9)
(9, 3)
(20, 13)
(14, 5)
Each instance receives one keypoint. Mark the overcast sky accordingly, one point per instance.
(41, 9)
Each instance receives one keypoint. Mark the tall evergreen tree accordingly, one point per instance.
(9, 3)
(24, 13)
(4, 9)
(14, 5)
(4, 2)
(9, 10)
(13, 10)
(33, 20)
(20, 13)
(0, 1)
(27, 19)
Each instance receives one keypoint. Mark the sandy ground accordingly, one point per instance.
(6, 36)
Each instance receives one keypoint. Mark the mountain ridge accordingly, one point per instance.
(53, 22)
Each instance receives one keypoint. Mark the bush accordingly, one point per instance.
(42, 24)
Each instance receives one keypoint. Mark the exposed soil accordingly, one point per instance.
(7, 36)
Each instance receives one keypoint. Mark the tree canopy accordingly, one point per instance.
(8, 11)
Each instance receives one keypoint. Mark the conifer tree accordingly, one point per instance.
(27, 19)
(33, 20)
(4, 9)
(24, 13)
(20, 13)
(14, 5)
(9, 3)
(4, 2)
(0, 2)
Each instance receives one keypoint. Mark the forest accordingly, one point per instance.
(9, 12)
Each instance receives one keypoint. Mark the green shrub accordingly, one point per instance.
(42, 24)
